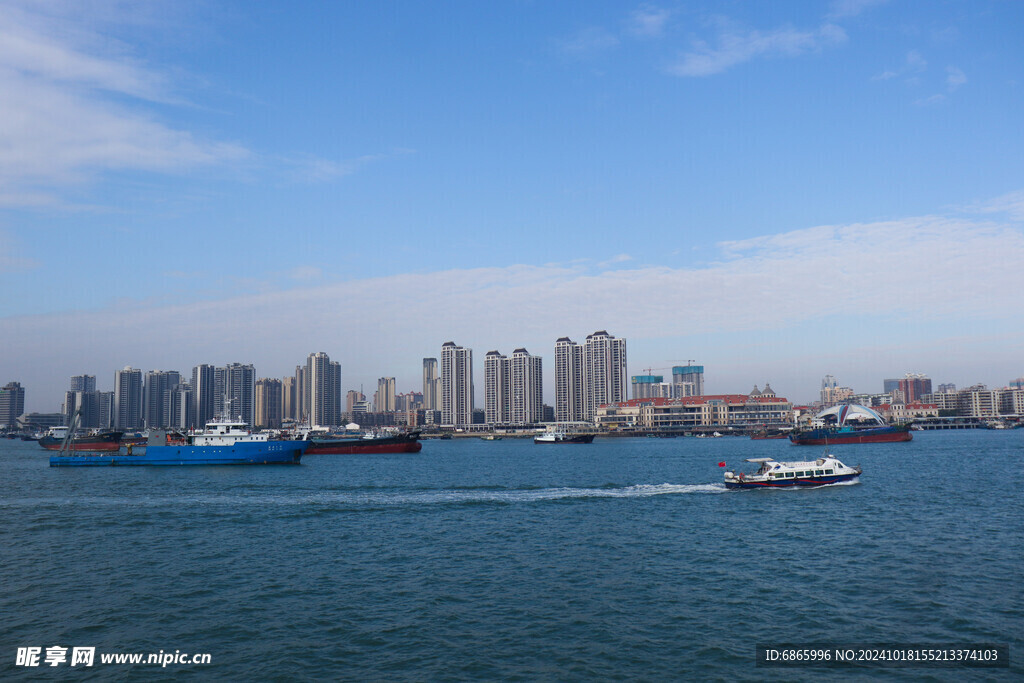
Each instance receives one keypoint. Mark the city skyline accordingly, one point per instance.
(206, 403)
(779, 190)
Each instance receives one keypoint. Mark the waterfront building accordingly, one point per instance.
(288, 398)
(323, 379)
(1014, 384)
(128, 399)
(750, 412)
(351, 398)
(951, 388)
(12, 404)
(156, 393)
(431, 384)
(204, 391)
(568, 381)
(302, 396)
(688, 380)
(269, 403)
(890, 385)
(914, 386)
(178, 409)
(650, 386)
(901, 413)
(456, 385)
(604, 372)
(497, 389)
(526, 375)
(513, 388)
(235, 392)
(385, 402)
(83, 383)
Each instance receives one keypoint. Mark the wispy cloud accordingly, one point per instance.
(588, 41)
(11, 260)
(734, 46)
(843, 9)
(785, 283)
(74, 110)
(914, 63)
(648, 21)
(1010, 204)
(954, 78)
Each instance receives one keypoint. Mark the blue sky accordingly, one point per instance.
(777, 190)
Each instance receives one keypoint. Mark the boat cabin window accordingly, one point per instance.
(818, 473)
(790, 474)
(829, 472)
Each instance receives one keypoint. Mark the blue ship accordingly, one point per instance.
(222, 443)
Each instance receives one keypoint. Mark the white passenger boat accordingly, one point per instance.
(772, 474)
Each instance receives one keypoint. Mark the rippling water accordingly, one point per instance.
(622, 559)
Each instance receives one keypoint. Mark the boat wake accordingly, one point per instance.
(384, 497)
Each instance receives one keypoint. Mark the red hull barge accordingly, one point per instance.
(400, 443)
(98, 443)
(830, 437)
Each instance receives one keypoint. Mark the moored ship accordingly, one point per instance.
(101, 442)
(222, 443)
(563, 437)
(405, 442)
(848, 424)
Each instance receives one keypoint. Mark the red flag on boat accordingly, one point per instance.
(721, 464)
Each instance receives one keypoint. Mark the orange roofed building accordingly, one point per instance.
(746, 412)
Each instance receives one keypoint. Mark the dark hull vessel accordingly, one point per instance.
(96, 443)
(828, 436)
(564, 438)
(398, 443)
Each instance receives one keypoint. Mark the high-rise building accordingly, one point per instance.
(83, 383)
(128, 399)
(386, 395)
(915, 386)
(323, 387)
(688, 374)
(82, 398)
(829, 386)
(351, 399)
(302, 395)
(604, 372)
(288, 398)
(236, 386)
(204, 391)
(456, 385)
(648, 386)
(179, 406)
(526, 375)
(568, 381)
(269, 403)
(156, 393)
(12, 403)
(497, 389)
(431, 384)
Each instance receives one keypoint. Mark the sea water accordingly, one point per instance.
(623, 559)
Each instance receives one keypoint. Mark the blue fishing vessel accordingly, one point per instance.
(221, 443)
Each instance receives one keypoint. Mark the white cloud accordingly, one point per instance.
(840, 279)
(842, 9)
(11, 259)
(61, 124)
(588, 41)
(734, 47)
(954, 78)
(648, 21)
(914, 63)
(1010, 204)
